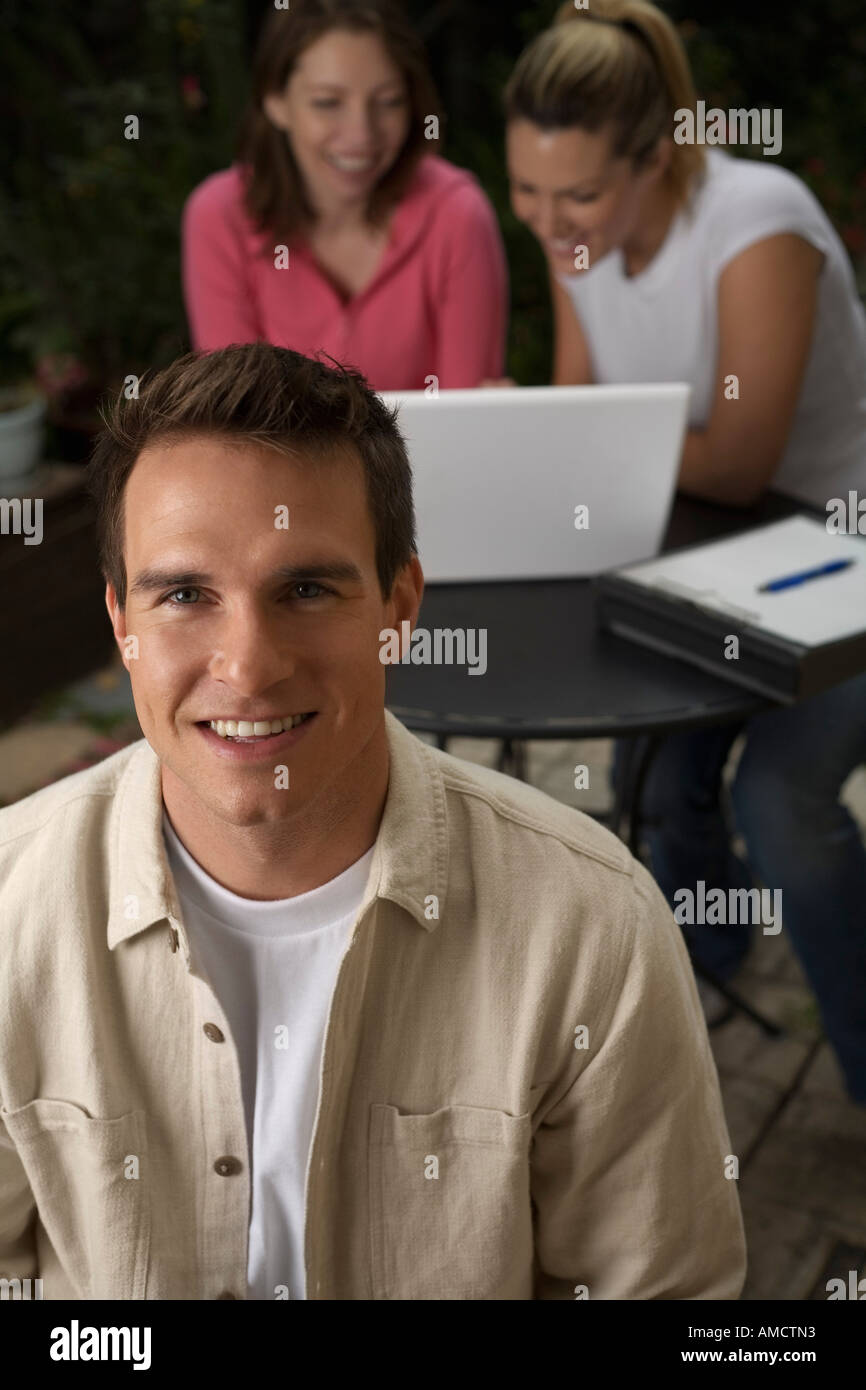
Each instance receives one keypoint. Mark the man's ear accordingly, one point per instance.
(406, 594)
(117, 615)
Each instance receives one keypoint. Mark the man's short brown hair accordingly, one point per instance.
(263, 395)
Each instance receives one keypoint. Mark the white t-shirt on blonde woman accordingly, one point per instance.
(662, 324)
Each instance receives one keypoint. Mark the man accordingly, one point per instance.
(298, 1006)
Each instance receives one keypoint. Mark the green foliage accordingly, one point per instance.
(91, 217)
(807, 60)
(90, 221)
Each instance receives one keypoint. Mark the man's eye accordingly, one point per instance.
(310, 584)
(303, 584)
(170, 600)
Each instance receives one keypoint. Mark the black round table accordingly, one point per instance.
(553, 673)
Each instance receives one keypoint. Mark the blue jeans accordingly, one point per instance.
(798, 836)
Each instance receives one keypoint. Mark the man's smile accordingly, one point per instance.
(245, 745)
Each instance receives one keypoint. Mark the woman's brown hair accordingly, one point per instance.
(620, 63)
(275, 196)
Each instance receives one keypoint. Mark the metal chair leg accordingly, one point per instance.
(641, 760)
(735, 998)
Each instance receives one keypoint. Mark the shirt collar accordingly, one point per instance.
(410, 859)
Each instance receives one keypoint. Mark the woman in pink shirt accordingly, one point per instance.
(337, 229)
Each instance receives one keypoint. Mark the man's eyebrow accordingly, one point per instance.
(151, 579)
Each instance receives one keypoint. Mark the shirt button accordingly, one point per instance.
(227, 1166)
(215, 1034)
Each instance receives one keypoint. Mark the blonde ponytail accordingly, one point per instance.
(619, 63)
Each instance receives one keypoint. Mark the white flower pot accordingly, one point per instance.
(21, 430)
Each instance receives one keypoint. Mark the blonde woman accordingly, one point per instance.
(674, 261)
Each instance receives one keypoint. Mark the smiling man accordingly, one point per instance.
(293, 1005)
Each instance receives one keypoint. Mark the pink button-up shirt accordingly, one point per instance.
(436, 306)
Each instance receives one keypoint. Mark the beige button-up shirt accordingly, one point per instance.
(517, 1096)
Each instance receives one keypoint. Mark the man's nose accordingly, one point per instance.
(250, 654)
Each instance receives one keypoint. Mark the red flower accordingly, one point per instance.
(58, 372)
(193, 96)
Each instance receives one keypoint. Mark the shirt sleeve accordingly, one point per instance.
(217, 290)
(757, 209)
(629, 1164)
(17, 1215)
(470, 292)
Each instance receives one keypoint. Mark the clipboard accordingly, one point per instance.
(788, 644)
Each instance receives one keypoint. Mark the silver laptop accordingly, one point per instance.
(541, 481)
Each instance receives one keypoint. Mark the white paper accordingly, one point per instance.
(725, 576)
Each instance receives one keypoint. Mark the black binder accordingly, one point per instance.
(686, 628)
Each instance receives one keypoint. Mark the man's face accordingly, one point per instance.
(222, 634)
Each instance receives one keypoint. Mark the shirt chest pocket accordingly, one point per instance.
(450, 1210)
(89, 1180)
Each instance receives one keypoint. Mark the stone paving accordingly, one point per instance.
(801, 1143)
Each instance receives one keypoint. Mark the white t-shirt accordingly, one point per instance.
(272, 966)
(662, 324)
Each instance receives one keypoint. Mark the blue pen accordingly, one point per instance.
(790, 580)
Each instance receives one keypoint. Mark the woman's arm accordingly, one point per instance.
(471, 294)
(571, 360)
(216, 284)
(766, 312)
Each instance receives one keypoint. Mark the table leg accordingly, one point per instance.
(512, 759)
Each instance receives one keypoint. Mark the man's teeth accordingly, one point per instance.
(261, 728)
